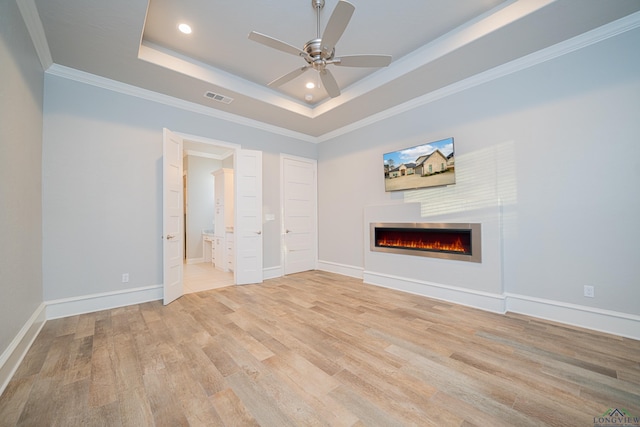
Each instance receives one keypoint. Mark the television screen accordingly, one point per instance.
(426, 165)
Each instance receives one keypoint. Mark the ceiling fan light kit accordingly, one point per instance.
(320, 52)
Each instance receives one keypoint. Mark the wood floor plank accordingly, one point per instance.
(134, 408)
(231, 410)
(107, 415)
(629, 374)
(34, 359)
(42, 404)
(126, 364)
(67, 325)
(333, 411)
(395, 384)
(290, 402)
(553, 412)
(148, 349)
(202, 370)
(58, 356)
(322, 354)
(221, 360)
(102, 390)
(452, 411)
(316, 348)
(490, 398)
(80, 352)
(165, 407)
(262, 407)
(14, 399)
(366, 411)
(384, 398)
(249, 343)
(72, 405)
(524, 371)
(86, 325)
(316, 381)
(191, 396)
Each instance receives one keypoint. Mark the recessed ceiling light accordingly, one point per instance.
(311, 85)
(185, 28)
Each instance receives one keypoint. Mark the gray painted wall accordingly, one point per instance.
(21, 93)
(102, 213)
(556, 145)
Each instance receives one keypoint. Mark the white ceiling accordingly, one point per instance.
(434, 44)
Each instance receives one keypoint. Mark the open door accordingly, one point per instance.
(172, 234)
(248, 221)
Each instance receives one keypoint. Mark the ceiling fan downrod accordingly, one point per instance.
(317, 5)
(318, 56)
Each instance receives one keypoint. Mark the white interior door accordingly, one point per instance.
(248, 221)
(172, 206)
(299, 214)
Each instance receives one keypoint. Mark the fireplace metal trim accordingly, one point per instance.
(476, 244)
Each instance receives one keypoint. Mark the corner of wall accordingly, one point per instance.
(12, 357)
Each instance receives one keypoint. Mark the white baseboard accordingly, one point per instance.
(104, 301)
(612, 322)
(272, 272)
(345, 270)
(477, 299)
(608, 321)
(12, 357)
(195, 260)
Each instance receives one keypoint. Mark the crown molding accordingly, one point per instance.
(127, 89)
(31, 18)
(589, 38)
(576, 43)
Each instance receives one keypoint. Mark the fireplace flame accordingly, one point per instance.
(420, 244)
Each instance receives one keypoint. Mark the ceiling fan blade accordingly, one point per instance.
(276, 44)
(330, 84)
(336, 25)
(289, 76)
(363, 60)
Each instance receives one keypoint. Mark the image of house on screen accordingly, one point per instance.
(426, 165)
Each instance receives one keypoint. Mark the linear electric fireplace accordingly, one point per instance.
(437, 240)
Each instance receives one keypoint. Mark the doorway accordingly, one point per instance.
(200, 161)
(299, 213)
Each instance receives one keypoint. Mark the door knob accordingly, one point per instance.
(170, 236)
(287, 231)
(258, 232)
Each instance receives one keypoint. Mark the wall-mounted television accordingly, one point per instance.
(426, 165)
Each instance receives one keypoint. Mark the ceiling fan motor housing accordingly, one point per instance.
(317, 54)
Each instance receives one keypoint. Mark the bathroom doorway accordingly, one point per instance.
(200, 160)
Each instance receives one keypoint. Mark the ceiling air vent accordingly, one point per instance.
(218, 97)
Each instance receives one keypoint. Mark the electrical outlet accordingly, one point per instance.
(125, 278)
(589, 291)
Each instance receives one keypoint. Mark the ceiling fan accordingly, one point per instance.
(320, 51)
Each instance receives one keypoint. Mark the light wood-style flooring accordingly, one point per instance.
(318, 349)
